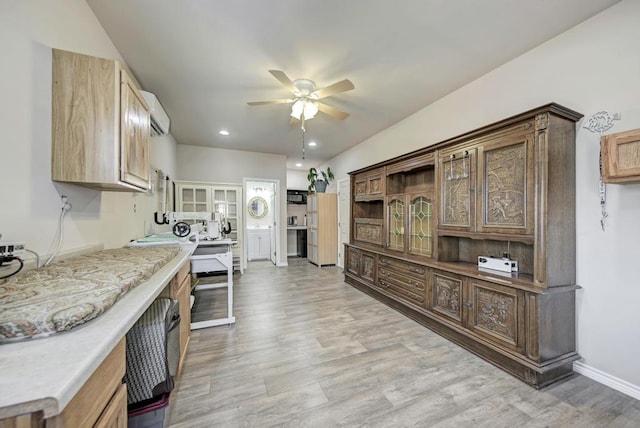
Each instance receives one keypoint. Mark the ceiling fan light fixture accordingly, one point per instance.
(304, 107)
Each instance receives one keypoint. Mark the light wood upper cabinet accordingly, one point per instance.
(621, 157)
(100, 125)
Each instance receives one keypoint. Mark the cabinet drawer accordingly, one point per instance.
(368, 230)
(403, 286)
(406, 268)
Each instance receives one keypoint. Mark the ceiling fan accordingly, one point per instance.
(306, 97)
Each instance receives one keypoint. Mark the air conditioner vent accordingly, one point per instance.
(159, 119)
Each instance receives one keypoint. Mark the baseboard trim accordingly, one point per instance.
(607, 379)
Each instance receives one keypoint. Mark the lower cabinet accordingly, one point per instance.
(259, 244)
(496, 313)
(526, 333)
(102, 400)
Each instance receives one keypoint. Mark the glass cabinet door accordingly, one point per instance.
(194, 199)
(421, 226)
(225, 202)
(395, 224)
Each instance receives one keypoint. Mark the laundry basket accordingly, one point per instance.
(153, 352)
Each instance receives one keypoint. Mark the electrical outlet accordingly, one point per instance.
(11, 249)
(66, 206)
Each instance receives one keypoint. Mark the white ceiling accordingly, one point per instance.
(205, 59)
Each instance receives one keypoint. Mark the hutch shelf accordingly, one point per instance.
(420, 221)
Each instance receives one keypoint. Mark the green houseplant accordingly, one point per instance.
(319, 179)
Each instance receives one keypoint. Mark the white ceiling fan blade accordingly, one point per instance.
(262, 103)
(332, 111)
(284, 79)
(336, 88)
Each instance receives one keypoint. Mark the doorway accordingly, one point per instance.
(261, 225)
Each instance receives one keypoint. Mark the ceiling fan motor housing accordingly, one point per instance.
(305, 87)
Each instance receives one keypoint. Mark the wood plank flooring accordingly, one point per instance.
(308, 350)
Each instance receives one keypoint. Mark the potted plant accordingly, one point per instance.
(319, 179)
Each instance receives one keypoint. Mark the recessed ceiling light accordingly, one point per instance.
(224, 132)
(312, 144)
(298, 164)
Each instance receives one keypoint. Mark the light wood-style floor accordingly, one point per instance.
(308, 350)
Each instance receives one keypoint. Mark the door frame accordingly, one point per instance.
(343, 223)
(277, 228)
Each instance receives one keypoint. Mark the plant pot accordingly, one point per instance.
(321, 186)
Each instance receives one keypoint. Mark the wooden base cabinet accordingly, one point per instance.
(508, 188)
(528, 334)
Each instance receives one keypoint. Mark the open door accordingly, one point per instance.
(274, 225)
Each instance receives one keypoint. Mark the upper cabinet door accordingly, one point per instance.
(621, 157)
(135, 136)
(505, 184)
(457, 175)
(396, 223)
(369, 185)
(421, 225)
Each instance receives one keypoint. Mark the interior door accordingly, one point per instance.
(344, 198)
(274, 228)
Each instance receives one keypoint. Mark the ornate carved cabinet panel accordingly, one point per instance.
(497, 313)
(457, 182)
(368, 266)
(361, 263)
(505, 182)
(368, 230)
(446, 294)
(353, 260)
(369, 185)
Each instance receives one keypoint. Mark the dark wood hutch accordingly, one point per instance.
(420, 221)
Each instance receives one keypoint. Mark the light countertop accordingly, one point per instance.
(296, 227)
(45, 374)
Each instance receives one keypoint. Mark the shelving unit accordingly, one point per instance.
(421, 220)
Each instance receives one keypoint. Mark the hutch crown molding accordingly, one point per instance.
(420, 221)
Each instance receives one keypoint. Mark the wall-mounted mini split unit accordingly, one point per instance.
(159, 119)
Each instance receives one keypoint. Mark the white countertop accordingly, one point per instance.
(296, 227)
(45, 374)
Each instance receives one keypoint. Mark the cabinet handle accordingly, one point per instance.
(468, 304)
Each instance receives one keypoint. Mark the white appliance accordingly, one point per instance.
(159, 119)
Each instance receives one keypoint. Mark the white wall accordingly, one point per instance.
(30, 201)
(207, 164)
(297, 180)
(594, 66)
